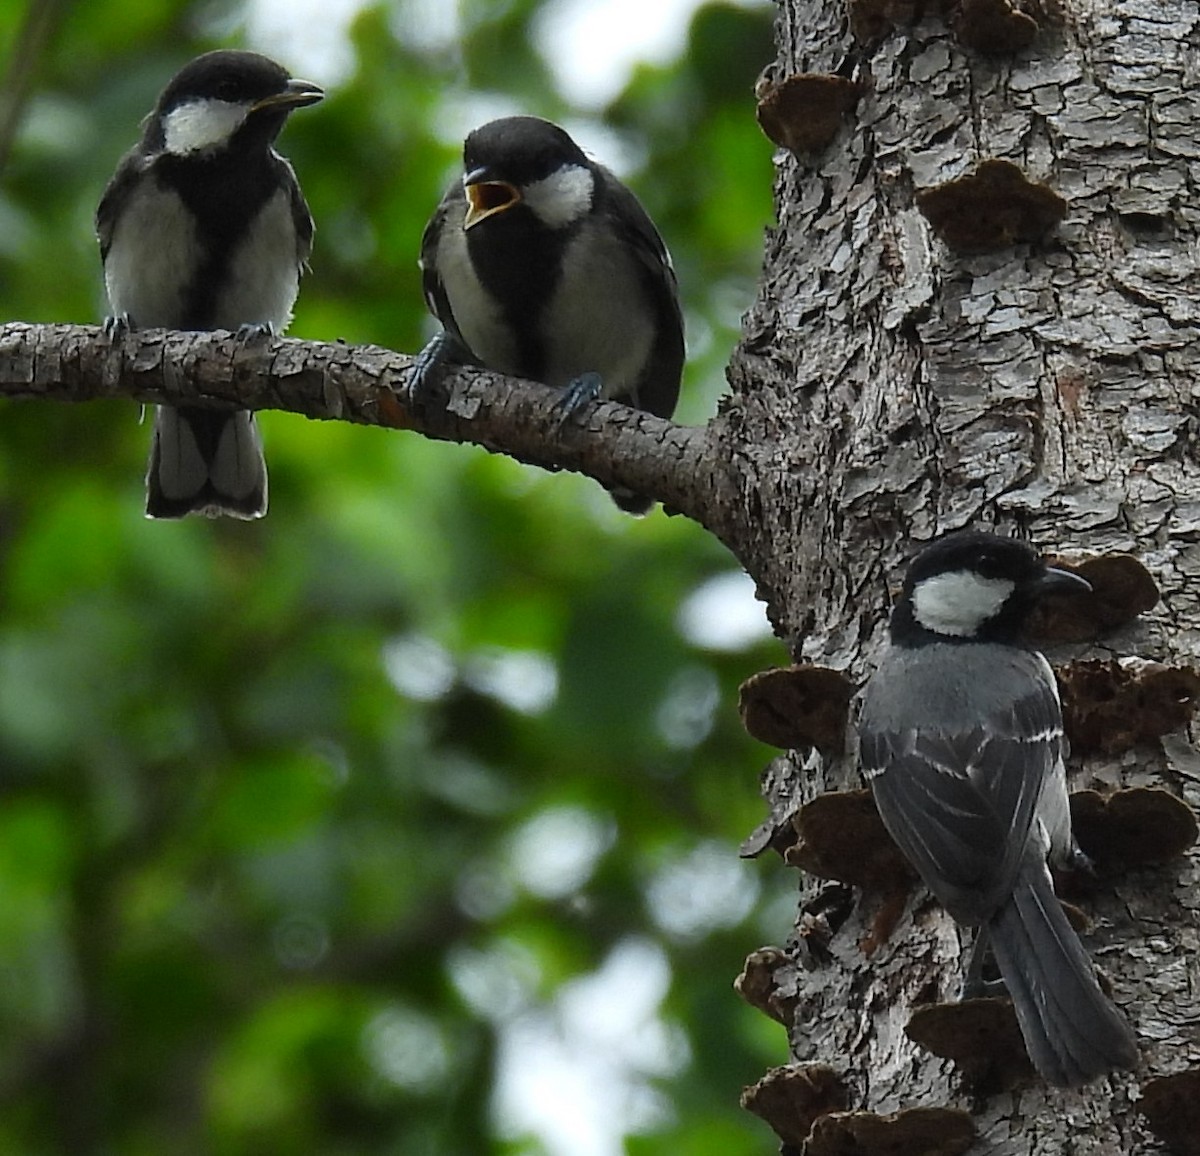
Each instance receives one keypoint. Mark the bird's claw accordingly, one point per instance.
(1080, 862)
(116, 325)
(974, 985)
(980, 988)
(581, 392)
(426, 369)
(254, 330)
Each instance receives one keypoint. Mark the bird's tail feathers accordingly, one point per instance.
(206, 461)
(1073, 1032)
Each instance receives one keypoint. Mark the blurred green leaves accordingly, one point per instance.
(303, 823)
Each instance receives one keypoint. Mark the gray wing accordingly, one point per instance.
(301, 214)
(452, 205)
(961, 801)
(130, 171)
(658, 390)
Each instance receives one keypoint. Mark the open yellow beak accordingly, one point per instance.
(487, 198)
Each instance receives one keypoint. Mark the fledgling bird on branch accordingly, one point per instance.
(961, 739)
(204, 226)
(541, 264)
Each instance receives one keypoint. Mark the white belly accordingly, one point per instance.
(476, 313)
(155, 255)
(265, 275)
(590, 330)
(152, 258)
(585, 329)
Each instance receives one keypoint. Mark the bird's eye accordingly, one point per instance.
(227, 90)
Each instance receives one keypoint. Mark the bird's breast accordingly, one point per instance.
(479, 314)
(153, 258)
(598, 318)
(548, 306)
(263, 274)
(165, 267)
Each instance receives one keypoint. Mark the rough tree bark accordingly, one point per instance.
(365, 384)
(889, 387)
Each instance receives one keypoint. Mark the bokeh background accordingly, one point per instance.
(405, 820)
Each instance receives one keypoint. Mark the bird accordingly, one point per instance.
(539, 263)
(203, 226)
(961, 740)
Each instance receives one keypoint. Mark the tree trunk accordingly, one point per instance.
(908, 370)
(977, 309)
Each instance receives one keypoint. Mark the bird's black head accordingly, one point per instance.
(523, 160)
(225, 96)
(973, 586)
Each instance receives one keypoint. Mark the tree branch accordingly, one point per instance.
(681, 467)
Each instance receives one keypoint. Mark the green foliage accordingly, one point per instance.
(300, 821)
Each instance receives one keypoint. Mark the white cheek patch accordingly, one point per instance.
(201, 124)
(960, 602)
(562, 198)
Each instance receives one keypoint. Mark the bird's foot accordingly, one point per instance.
(427, 368)
(254, 331)
(1080, 862)
(977, 987)
(117, 325)
(1074, 873)
(579, 394)
(974, 985)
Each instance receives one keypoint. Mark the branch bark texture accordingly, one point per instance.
(616, 445)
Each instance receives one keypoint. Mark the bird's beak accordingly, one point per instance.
(486, 198)
(1056, 581)
(297, 94)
